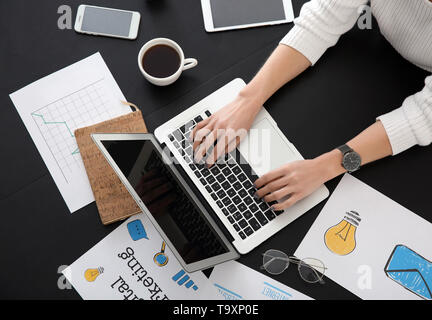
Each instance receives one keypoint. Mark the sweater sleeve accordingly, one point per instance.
(320, 24)
(410, 124)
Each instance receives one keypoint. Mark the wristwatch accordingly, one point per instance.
(351, 160)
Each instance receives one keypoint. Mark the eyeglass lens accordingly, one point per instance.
(311, 270)
(275, 261)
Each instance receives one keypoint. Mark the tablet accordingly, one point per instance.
(154, 181)
(222, 15)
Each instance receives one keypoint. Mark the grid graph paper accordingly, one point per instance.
(58, 120)
(53, 107)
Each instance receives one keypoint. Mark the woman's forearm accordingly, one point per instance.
(372, 144)
(238, 116)
(283, 65)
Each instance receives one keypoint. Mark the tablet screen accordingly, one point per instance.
(164, 196)
(228, 13)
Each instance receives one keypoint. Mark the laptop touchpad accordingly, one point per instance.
(265, 149)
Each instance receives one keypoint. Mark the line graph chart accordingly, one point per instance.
(52, 108)
(58, 120)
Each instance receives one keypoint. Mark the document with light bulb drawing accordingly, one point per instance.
(371, 245)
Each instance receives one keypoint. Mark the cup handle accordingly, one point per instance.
(189, 63)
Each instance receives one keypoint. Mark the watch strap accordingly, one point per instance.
(345, 149)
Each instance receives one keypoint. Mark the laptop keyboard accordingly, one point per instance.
(229, 183)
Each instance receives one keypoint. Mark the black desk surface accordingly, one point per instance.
(359, 79)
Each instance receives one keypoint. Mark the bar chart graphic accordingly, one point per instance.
(182, 278)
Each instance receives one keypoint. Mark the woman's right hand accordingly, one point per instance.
(227, 126)
(231, 123)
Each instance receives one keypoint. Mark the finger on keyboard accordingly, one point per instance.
(198, 127)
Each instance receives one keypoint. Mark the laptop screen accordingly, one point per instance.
(166, 199)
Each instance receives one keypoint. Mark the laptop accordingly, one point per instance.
(206, 215)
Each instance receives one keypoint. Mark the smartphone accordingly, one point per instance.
(107, 22)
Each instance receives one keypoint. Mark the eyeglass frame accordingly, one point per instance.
(297, 261)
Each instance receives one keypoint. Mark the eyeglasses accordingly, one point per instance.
(311, 270)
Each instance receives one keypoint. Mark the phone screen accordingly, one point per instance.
(106, 21)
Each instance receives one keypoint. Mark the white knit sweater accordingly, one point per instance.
(406, 24)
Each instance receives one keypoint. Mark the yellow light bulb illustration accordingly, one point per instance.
(340, 238)
(91, 274)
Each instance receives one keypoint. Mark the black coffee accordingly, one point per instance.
(161, 61)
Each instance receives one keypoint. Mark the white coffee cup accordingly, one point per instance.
(184, 63)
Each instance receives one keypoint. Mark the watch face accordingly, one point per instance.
(351, 161)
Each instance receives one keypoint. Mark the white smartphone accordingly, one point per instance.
(107, 22)
(220, 15)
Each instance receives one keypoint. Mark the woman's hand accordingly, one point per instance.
(298, 179)
(236, 118)
(227, 126)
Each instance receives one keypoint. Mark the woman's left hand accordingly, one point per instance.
(297, 179)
